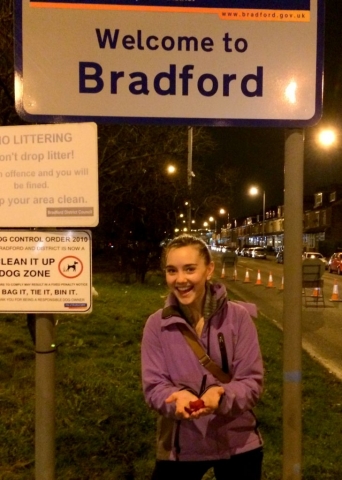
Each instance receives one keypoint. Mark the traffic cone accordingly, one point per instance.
(258, 282)
(316, 292)
(235, 275)
(282, 284)
(247, 280)
(223, 273)
(335, 297)
(270, 281)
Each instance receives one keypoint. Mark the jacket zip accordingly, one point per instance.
(223, 350)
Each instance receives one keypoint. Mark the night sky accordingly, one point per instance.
(258, 153)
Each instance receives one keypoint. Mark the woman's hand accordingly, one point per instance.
(182, 400)
(211, 399)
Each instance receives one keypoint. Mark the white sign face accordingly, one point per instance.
(126, 62)
(46, 272)
(49, 176)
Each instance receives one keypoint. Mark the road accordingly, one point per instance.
(321, 326)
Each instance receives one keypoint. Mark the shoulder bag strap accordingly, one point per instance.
(202, 355)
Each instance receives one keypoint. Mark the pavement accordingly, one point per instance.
(321, 325)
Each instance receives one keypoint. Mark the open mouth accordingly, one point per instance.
(184, 290)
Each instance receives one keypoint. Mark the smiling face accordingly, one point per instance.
(186, 275)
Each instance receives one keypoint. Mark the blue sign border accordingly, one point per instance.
(216, 122)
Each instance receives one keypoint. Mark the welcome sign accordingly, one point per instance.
(184, 62)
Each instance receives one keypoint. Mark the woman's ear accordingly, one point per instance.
(211, 268)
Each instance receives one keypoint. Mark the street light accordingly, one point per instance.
(256, 191)
(212, 219)
(190, 174)
(171, 169)
(327, 137)
(218, 231)
(222, 211)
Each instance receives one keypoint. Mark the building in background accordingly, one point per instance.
(322, 225)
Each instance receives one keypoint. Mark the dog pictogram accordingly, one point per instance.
(71, 267)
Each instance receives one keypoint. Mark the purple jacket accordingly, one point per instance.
(169, 364)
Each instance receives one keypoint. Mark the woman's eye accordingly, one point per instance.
(170, 271)
(190, 269)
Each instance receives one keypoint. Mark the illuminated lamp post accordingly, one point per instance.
(255, 191)
(212, 219)
(327, 137)
(171, 169)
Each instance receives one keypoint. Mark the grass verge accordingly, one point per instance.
(103, 428)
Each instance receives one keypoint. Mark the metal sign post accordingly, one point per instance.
(292, 353)
(45, 397)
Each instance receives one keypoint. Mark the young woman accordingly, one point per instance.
(221, 431)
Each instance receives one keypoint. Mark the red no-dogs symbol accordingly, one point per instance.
(70, 267)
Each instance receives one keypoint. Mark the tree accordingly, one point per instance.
(139, 201)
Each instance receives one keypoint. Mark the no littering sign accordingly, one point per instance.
(49, 176)
(46, 272)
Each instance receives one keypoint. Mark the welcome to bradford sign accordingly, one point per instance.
(246, 62)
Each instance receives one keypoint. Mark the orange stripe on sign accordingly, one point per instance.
(86, 6)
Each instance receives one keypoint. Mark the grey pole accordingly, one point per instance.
(189, 171)
(45, 398)
(263, 217)
(292, 353)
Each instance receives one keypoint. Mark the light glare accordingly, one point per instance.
(253, 191)
(290, 92)
(171, 169)
(327, 137)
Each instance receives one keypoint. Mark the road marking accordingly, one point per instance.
(330, 365)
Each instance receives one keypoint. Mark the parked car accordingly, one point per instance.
(315, 255)
(258, 252)
(335, 263)
(244, 252)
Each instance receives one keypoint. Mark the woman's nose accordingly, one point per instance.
(181, 277)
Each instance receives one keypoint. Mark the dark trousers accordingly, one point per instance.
(245, 466)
